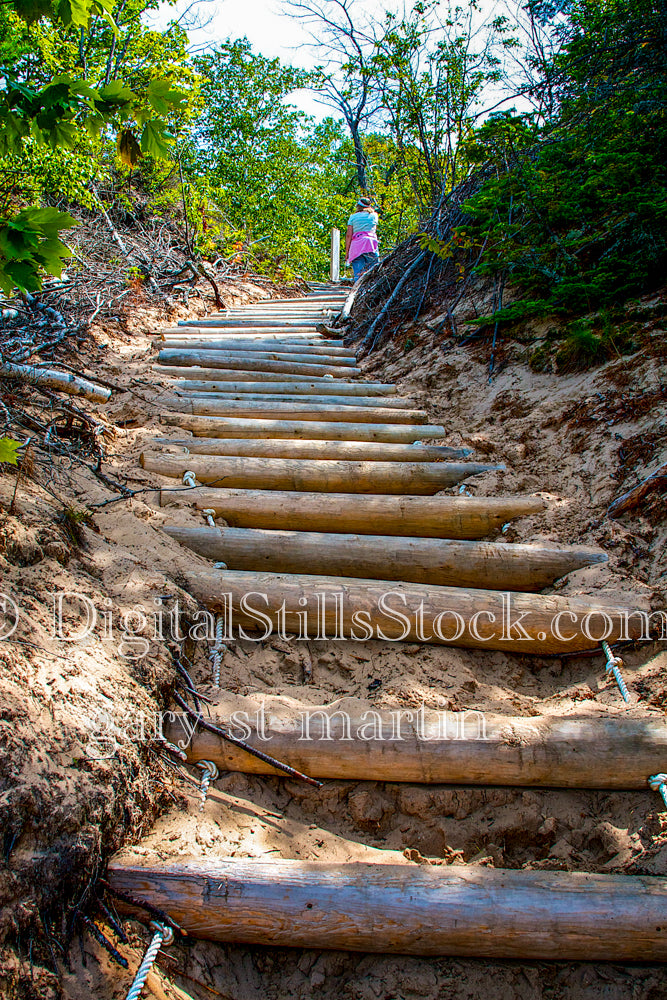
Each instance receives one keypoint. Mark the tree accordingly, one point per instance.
(47, 102)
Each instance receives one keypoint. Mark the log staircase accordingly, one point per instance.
(317, 481)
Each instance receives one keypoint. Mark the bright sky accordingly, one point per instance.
(271, 32)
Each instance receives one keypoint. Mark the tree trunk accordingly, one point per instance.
(311, 429)
(364, 451)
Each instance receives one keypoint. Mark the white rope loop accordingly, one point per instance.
(210, 773)
(189, 479)
(658, 783)
(162, 935)
(209, 514)
(218, 650)
(614, 664)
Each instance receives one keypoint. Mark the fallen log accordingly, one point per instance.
(367, 451)
(393, 402)
(426, 517)
(322, 475)
(322, 430)
(352, 740)
(205, 406)
(313, 388)
(345, 608)
(239, 362)
(221, 374)
(73, 385)
(408, 909)
(656, 482)
(445, 562)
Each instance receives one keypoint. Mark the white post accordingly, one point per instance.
(334, 263)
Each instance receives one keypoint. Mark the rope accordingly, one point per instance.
(614, 663)
(210, 773)
(162, 935)
(658, 783)
(218, 650)
(189, 479)
(209, 514)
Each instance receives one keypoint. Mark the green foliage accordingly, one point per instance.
(9, 450)
(53, 115)
(29, 242)
(575, 211)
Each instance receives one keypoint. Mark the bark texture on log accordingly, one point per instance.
(353, 741)
(445, 562)
(409, 909)
(311, 429)
(413, 612)
(431, 517)
(366, 451)
(655, 483)
(327, 476)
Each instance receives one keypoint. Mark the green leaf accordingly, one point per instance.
(74, 12)
(17, 242)
(9, 450)
(48, 220)
(155, 140)
(128, 148)
(24, 274)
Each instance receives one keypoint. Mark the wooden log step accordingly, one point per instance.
(204, 405)
(252, 341)
(247, 363)
(245, 427)
(351, 741)
(447, 563)
(391, 402)
(295, 337)
(236, 375)
(286, 448)
(312, 388)
(342, 607)
(279, 323)
(406, 909)
(427, 517)
(255, 356)
(278, 351)
(322, 475)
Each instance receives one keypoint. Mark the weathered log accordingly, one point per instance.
(445, 562)
(352, 740)
(255, 325)
(393, 402)
(73, 385)
(311, 429)
(342, 607)
(256, 347)
(321, 387)
(323, 475)
(239, 362)
(426, 517)
(257, 356)
(655, 483)
(296, 338)
(223, 375)
(406, 909)
(366, 451)
(208, 406)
